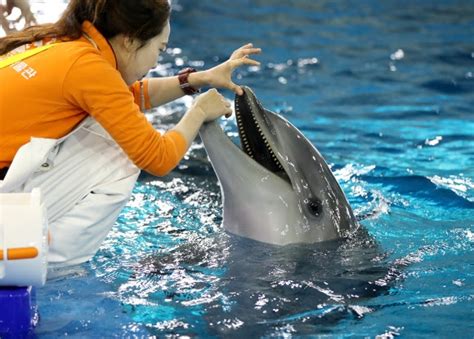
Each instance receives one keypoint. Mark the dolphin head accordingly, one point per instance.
(277, 188)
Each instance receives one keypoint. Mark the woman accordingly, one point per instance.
(70, 114)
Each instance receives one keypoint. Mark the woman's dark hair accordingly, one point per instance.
(138, 19)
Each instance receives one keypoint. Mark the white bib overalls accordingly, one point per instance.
(85, 179)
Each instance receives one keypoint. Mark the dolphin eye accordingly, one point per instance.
(314, 206)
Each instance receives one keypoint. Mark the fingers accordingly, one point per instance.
(252, 50)
(247, 51)
(227, 112)
(244, 61)
(226, 105)
(248, 61)
(216, 93)
(247, 45)
(236, 89)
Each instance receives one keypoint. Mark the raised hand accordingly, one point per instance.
(221, 75)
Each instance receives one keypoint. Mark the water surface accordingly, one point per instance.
(385, 91)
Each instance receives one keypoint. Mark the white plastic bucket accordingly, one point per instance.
(23, 239)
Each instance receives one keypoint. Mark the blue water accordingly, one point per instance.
(385, 90)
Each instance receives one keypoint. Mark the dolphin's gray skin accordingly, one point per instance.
(278, 189)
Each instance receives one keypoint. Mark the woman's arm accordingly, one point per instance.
(164, 90)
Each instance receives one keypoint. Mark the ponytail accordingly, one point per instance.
(137, 19)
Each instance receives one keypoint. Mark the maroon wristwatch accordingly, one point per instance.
(183, 76)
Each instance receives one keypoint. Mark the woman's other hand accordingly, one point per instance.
(206, 107)
(212, 105)
(221, 75)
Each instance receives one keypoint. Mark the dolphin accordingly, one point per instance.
(277, 188)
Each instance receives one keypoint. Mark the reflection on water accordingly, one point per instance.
(242, 287)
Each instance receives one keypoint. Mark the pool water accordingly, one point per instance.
(385, 90)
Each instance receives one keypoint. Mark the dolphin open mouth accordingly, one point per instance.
(252, 136)
(276, 187)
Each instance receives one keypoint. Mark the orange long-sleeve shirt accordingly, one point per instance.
(50, 93)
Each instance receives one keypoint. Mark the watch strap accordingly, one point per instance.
(183, 77)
